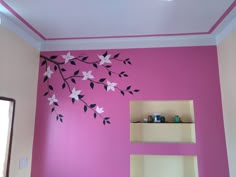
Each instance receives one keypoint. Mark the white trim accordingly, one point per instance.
(124, 43)
(226, 26)
(15, 25)
(231, 27)
(8, 20)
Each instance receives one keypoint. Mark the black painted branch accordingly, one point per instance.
(52, 61)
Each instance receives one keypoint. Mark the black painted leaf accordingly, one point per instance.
(45, 78)
(50, 87)
(55, 103)
(85, 108)
(123, 93)
(63, 69)
(92, 85)
(129, 62)
(43, 63)
(55, 67)
(63, 85)
(128, 87)
(136, 90)
(73, 80)
(125, 75)
(94, 115)
(119, 75)
(61, 120)
(102, 79)
(46, 93)
(60, 115)
(122, 72)
(73, 100)
(84, 58)
(76, 72)
(131, 92)
(106, 118)
(53, 57)
(124, 62)
(108, 122)
(105, 86)
(57, 117)
(52, 109)
(127, 59)
(108, 66)
(104, 122)
(92, 105)
(109, 73)
(72, 62)
(95, 65)
(105, 54)
(81, 96)
(116, 55)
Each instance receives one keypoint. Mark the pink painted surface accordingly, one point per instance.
(83, 147)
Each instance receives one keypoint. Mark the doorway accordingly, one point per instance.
(7, 109)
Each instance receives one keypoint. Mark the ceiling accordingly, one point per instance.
(92, 19)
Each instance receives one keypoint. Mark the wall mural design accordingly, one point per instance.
(69, 82)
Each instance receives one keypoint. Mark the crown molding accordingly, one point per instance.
(13, 24)
(226, 27)
(125, 43)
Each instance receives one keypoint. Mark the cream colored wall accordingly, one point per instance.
(18, 80)
(227, 66)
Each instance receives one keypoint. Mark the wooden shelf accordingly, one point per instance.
(163, 166)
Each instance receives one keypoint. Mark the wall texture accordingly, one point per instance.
(227, 63)
(82, 146)
(18, 78)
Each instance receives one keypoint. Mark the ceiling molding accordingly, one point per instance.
(16, 26)
(224, 26)
(124, 43)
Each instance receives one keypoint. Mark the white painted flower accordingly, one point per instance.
(75, 94)
(105, 59)
(67, 57)
(111, 86)
(48, 73)
(87, 75)
(99, 110)
(52, 99)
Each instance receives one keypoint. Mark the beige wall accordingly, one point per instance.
(227, 67)
(18, 80)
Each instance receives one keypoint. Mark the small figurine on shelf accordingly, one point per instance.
(163, 119)
(156, 118)
(150, 120)
(145, 120)
(177, 119)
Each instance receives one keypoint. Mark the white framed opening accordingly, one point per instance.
(7, 106)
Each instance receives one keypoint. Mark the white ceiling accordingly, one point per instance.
(84, 19)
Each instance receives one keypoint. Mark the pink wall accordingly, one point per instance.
(83, 147)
